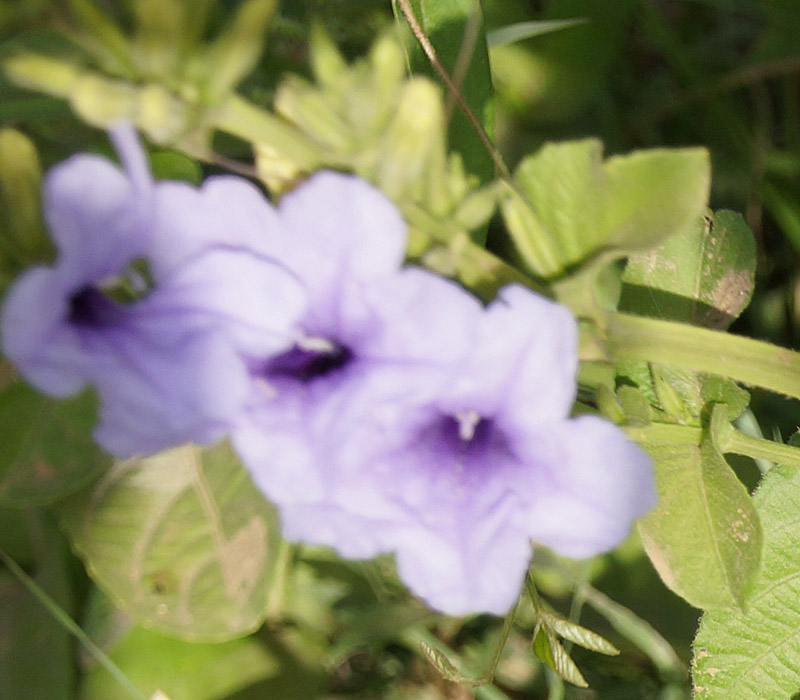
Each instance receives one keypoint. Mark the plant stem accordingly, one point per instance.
(677, 344)
(733, 442)
(758, 448)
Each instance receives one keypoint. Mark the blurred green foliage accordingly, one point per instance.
(724, 74)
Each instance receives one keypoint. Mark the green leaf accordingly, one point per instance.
(756, 654)
(573, 632)
(107, 41)
(237, 50)
(681, 396)
(47, 450)
(182, 670)
(704, 275)
(158, 26)
(23, 240)
(181, 540)
(172, 165)
(441, 663)
(549, 651)
(36, 654)
(455, 28)
(703, 537)
(570, 205)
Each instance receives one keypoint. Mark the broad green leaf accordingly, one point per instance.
(182, 670)
(455, 28)
(704, 275)
(571, 205)
(47, 450)
(755, 655)
(181, 540)
(36, 653)
(703, 537)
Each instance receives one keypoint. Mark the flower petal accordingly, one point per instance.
(36, 336)
(226, 211)
(524, 363)
(99, 219)
(339, 227)
(253, 301)
(484, 573)
(163, 381)
(598, 483)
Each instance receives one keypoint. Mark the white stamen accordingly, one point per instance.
(467, 422)
(315, 344)
(265, 387)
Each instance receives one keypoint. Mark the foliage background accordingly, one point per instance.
(637, 73)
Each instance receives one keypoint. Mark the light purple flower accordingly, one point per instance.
(409, 419)
(169, 367)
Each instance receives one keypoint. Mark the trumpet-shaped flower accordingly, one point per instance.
(169, 366)
(407, 418)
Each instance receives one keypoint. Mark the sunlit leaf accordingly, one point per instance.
(181, 540)
(703, 275)
(756, 653)
(704, 536)
(570, 204)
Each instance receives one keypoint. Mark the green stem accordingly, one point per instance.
(241, 118)
(677, 344)
(758, 448)
(733, 441)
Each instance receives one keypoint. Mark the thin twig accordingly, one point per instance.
(452, 88)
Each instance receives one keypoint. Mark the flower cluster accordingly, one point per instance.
(380, 407)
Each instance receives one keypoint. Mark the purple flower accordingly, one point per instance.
(169, 367)
(410, 419)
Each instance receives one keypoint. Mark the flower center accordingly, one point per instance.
(309, 359)
(91, 308)
(468, 432)
(102, 304)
